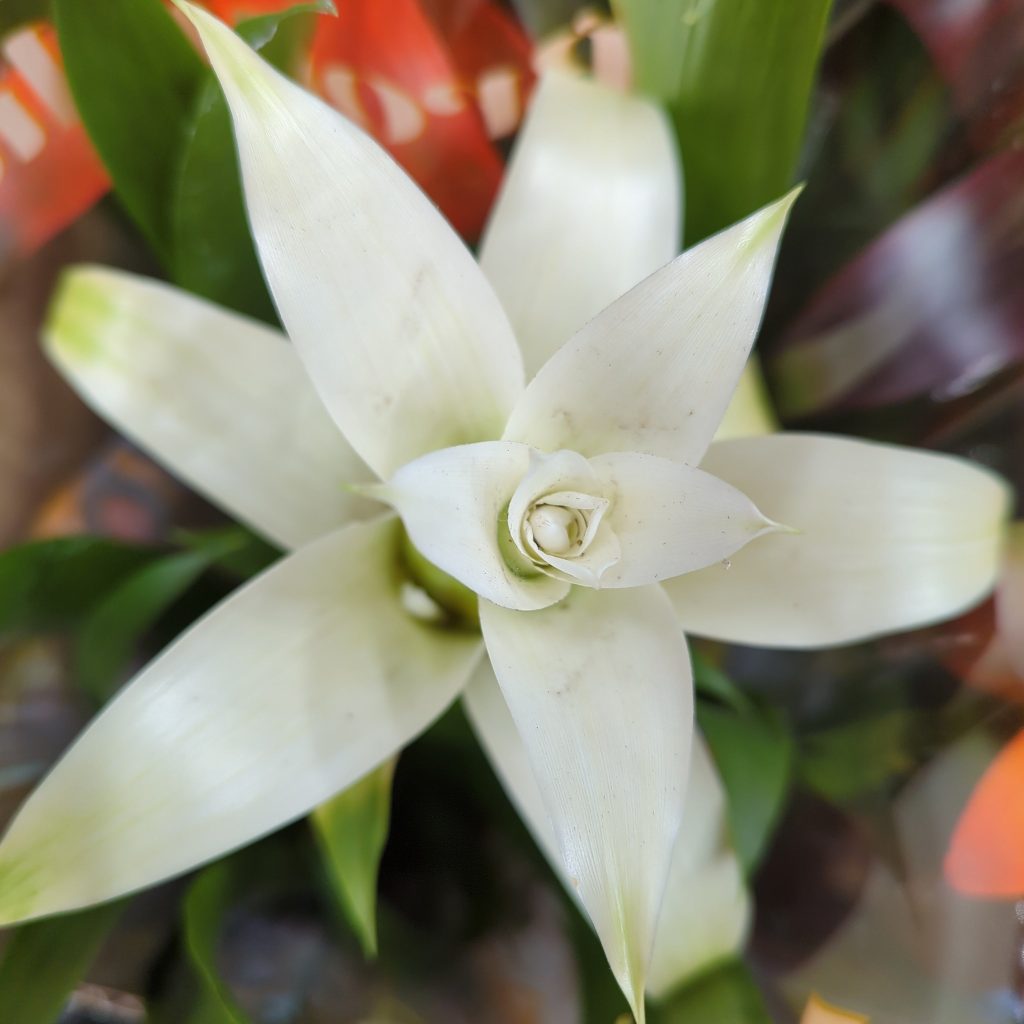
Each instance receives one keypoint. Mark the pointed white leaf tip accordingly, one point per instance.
(655, 371)
(214, 396)
(402, 335)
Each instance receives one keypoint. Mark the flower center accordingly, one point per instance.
(556, 529)
(558, 520)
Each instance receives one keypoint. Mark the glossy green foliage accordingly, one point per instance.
(204, 909)
(754, 755)
(45, 960)
(50, 584)
(351, 830)
(213, 252)
(737, 77)
(156, 116)
(113, 628)
(726, 995)
(135, 79)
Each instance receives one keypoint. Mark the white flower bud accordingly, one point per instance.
(556, 530)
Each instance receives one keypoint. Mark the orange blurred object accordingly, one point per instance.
(121, 493)
(49, 174)
(986, 853)
(236, 10)
(820, 1012)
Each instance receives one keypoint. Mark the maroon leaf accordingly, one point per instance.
(932, 308)
(979, 48)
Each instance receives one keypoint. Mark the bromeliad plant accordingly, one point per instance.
(584, 519)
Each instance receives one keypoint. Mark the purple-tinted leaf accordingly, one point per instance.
(979, 49)
(931, 308)
(882, 138)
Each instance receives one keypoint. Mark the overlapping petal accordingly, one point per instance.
(401, 333)
(453, 504)
(291, 690)
(705, 912)
(654, 372)
(492, 722)
(589, 206)
(600, 690)
(670, 518)
(221, 400)
(566, 482)
(886, 539)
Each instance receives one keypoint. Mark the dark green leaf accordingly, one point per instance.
(754, 754)
(712, 682)
(214, 254)
(46, 960)
(728, 995)
(737, 76)
(114, 628)
(15, 13)
(206, 904)
(226, 892)
(236, 550)
(213, 250)
(135, 79)
(351, 830)
(48, 584)
(861, 757)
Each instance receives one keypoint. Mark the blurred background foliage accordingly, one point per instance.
(896, 313)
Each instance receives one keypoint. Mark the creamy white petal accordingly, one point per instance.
(453, 503)
(706, 910)
(589, 206)
(670, 518)
(887, 538)
(599, 687)
(221, 400)
(401, 333)
(655, 371)
(492, 722)
(288, 692)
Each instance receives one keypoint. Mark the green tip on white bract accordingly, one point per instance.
(78, 307)
(765, 227)
(232, 58)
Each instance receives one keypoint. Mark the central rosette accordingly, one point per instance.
(558, 518)
(520, 527)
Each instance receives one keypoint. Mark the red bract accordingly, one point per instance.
(977, 47)
(383, 64)
(49, 174)
(233, 11)
(492, 56)
(933, 307)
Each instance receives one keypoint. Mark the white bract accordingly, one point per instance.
(561, 503)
